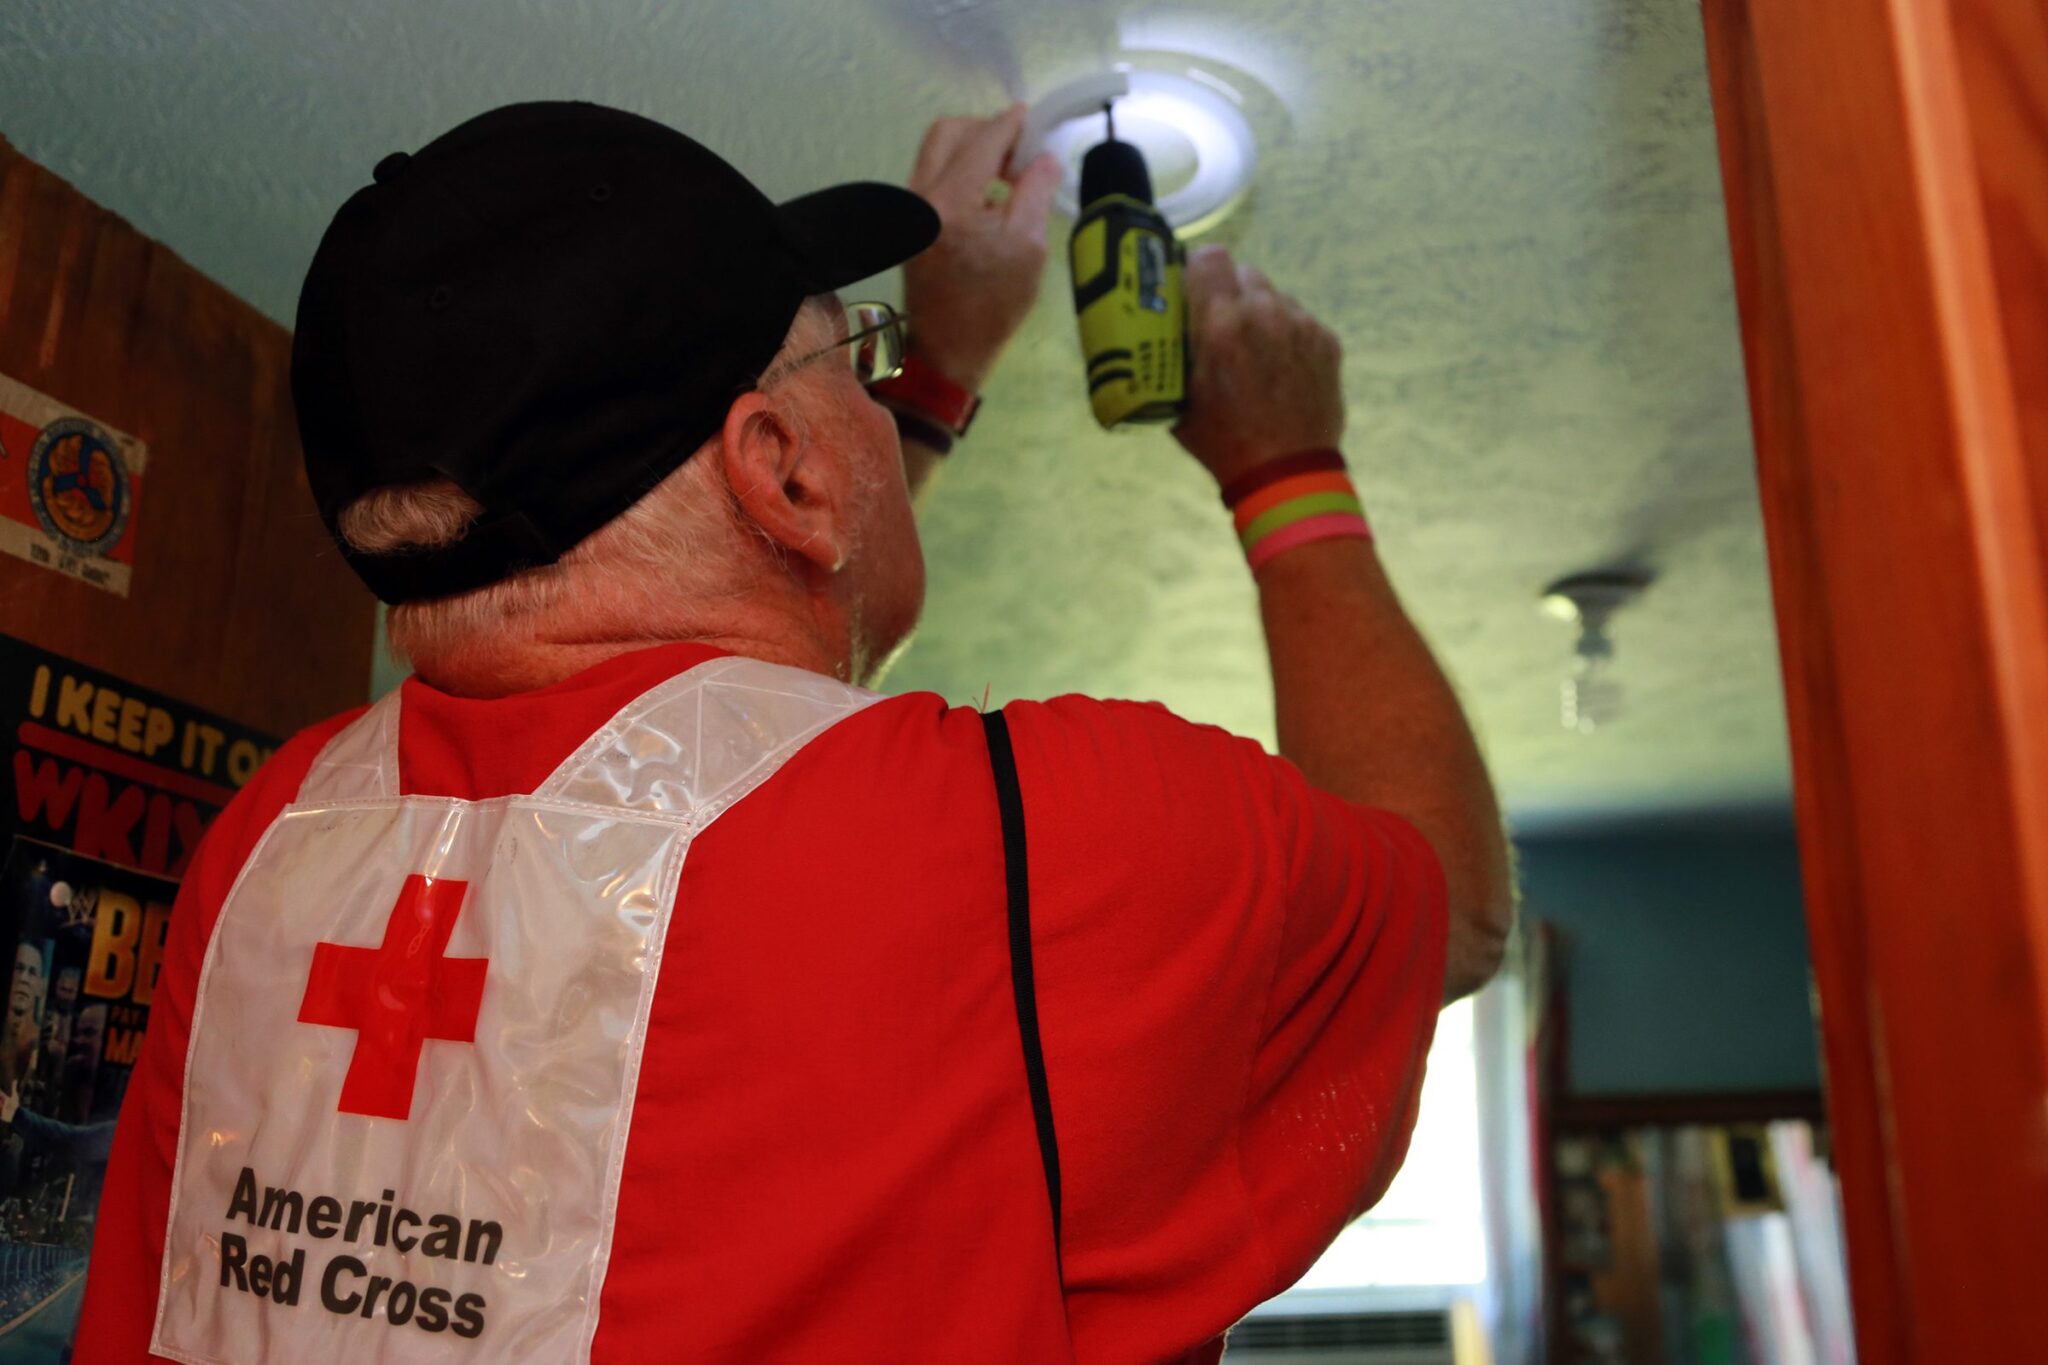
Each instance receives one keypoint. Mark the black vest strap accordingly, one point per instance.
(1010, 805)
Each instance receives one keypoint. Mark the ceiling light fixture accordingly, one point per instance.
(1592, 698)
(1189, 125)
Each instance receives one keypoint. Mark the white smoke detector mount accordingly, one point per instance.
(1189, 124)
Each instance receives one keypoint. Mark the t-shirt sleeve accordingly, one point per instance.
(123, 1276)
(1239, 977)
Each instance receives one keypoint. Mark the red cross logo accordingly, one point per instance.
(396, 996)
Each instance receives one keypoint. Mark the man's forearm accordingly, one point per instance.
(1367, 715)
(970, 373)
(919, 460)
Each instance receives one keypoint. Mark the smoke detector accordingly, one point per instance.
(1189, 124)
(1592, 698)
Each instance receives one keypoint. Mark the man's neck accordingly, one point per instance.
(500, 668)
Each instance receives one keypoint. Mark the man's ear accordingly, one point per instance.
(786, 489)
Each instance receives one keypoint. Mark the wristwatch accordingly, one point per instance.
(922, 391)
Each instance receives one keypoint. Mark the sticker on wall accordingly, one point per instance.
(68, 488)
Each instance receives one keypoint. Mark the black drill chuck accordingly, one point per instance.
(1114, 167)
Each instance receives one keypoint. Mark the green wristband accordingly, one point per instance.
(1296, 509)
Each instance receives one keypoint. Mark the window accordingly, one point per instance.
(1430, 1229)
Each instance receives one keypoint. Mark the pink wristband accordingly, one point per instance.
(1331, 526)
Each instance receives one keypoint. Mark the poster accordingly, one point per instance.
(69, 488)
(108, 788)
(84, 943)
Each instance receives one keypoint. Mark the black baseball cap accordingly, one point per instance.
(553, 304)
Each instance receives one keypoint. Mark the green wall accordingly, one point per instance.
(1688, 962)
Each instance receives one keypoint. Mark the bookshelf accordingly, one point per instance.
(1681, 1228)
(1609, 1112)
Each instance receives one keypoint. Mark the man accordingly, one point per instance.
(25, 993)
(25, 1000)
(633, 985)
(46, 1080)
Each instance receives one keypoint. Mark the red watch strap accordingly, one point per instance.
(930, 394)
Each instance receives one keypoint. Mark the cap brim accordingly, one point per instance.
(849, 232)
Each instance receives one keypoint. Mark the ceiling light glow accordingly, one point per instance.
(1193, 135)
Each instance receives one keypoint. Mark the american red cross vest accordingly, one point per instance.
(482, 970)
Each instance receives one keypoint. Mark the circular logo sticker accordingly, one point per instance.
(79, 486)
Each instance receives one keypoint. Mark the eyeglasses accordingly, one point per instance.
(873, 344)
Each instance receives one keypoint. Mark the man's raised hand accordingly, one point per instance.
(967, 295)
(1266, 379)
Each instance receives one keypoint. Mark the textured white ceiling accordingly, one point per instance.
(1508, 208)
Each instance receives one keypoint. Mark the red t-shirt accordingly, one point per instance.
(832, 1154)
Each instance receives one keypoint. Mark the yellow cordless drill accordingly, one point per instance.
(1127, 290)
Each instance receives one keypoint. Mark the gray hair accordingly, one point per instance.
(666, 542)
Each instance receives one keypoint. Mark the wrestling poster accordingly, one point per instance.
(85, 940)
(108, 788)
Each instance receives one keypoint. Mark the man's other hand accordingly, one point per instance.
(1267, 377)
(967, 295)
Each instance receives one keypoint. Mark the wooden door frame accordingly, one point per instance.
(1890, 241)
